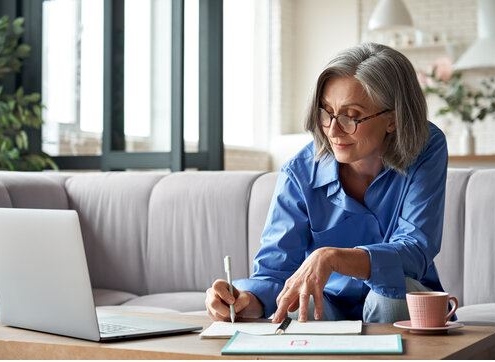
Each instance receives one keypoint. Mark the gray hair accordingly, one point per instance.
(389, 79)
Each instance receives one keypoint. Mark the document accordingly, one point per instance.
(244, 343)
(228, 329)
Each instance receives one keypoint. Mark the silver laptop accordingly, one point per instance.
(45, 285)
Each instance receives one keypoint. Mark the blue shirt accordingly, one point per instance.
(400, 225)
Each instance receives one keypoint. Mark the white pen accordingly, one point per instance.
(228, 270)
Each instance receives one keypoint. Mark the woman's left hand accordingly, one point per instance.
(308, 280)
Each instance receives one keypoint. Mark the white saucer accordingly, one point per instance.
(428, 330)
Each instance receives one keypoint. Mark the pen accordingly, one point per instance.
(228, 270)
(283, 326)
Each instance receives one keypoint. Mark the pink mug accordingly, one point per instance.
(430, 309)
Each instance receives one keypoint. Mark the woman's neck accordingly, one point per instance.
(357, 177)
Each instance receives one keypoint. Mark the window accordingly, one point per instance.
(246, 72)
(73, 76)
(127, 68)
(140, 83)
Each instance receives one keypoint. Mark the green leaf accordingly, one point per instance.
(17, 26)
(19, 93)
(23, 51)
(8, 165)
(8, 144)
(13, 154)
(32, 98)
(24, 139)
(18, 142)
(37, 111)
(11, 104)
(4, 22)
(51, 163)
(15, 123)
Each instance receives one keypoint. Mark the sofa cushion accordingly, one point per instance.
(32, 190)
(479, 268)
(195, 219)
(451, 255)
(261, 196)
(481, 313)
(111, 297)
(4, 196)
(113, 212)
(112, 309)
(180, 301)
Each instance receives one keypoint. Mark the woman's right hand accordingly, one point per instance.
(219, 299)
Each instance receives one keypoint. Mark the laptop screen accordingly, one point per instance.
(44, 278)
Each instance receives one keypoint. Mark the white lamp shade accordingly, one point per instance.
(481, 54)
(390, 14)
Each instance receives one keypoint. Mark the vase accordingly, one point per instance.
(467, 143)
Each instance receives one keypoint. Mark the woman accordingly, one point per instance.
(356, 217)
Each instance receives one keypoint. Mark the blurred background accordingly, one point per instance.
(209, 84)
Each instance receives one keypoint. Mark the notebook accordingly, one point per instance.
(45, 285)
(228, 329)
(301, 344)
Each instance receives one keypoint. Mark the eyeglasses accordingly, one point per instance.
(345, 123)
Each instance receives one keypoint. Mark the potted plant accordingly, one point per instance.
(467, 103)
(18, 111)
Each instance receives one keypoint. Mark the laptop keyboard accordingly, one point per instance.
(111, 328)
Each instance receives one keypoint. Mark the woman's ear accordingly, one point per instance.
(391, 126)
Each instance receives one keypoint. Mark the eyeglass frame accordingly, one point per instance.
(356, 121)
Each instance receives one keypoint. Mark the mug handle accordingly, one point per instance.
(455, 304)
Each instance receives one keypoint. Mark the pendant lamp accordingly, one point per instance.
(481, 54)
(390, 14)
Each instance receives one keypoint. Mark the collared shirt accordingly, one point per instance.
(400, 225)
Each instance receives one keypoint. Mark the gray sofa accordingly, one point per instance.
(158, 239)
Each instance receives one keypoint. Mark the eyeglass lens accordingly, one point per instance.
(345, 123)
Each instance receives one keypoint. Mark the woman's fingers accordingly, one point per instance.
(318, 305)
(215, 306)
(309, 280)
(221, 288)
(218, 299)
(285, 300)
(303, 306)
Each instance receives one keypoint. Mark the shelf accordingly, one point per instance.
(472, 158)
(472, 161)
(431, 47)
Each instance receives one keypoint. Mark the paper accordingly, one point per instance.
(227, 329)
(244, 343)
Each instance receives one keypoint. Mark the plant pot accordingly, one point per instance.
(467, 144)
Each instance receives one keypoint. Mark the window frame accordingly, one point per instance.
(210, 154)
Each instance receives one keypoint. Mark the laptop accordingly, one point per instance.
(45, 284)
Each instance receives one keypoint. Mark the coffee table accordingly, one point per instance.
(469, 342)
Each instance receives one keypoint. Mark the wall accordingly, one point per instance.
(311, 33)
(318, 29)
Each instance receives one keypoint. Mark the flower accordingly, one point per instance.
(443, 69)
(469, 103)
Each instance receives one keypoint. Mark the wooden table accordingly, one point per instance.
(469, 342)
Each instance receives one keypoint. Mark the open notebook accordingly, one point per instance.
(228, 329)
